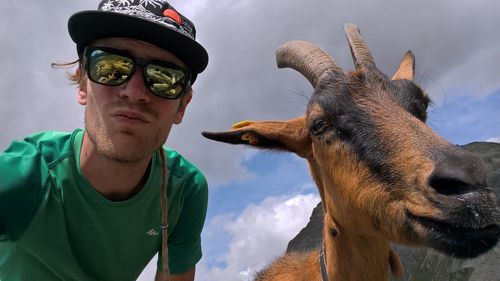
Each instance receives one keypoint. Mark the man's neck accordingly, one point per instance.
(115, 180)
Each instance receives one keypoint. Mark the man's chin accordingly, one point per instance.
(124, 148)
(127, 156)
(130, 150)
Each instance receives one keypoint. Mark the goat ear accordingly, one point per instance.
(290, 135)
(406, 68)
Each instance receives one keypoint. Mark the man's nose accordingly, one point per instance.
(135, 89)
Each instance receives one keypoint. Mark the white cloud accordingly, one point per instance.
(258, 235)
(495, 139)
(149, 273)
(477, 83)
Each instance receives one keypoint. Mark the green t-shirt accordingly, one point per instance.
(58, 227)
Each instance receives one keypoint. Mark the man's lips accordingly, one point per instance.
(132, 116)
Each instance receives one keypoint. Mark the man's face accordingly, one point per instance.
(127, 123)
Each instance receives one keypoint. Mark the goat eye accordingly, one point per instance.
(319, 126)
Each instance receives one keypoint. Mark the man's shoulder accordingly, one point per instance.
(52, 145)
(47, 137)
(25, 172)
(27, 162)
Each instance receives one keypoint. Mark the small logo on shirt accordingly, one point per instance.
(152, 232)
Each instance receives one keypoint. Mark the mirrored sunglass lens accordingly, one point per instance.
(108, 68)
(165, 82)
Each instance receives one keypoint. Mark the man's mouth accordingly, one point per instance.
(130, 116)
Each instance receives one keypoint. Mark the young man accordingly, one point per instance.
(90, 205)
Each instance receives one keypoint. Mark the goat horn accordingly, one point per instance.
(307, 58)
(360, 52)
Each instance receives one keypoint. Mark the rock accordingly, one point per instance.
(424, 264)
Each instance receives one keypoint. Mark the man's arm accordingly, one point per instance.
(186, 276)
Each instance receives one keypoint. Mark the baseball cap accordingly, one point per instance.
(152, 21)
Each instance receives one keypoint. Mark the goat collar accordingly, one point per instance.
(322, 263)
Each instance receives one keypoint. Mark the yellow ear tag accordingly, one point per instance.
(252, 140)
(241, 124)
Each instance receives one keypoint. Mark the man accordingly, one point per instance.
(90, 205)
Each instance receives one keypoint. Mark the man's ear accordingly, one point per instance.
(182, 107)
(82, 88)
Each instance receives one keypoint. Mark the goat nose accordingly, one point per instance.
(457, 171)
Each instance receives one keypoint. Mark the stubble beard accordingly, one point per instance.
(103, 142)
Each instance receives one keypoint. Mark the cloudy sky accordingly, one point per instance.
(457, 49)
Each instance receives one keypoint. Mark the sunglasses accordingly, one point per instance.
(111, 67)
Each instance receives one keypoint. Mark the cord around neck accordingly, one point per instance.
(164, 224)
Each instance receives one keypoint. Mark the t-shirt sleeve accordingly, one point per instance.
(23, 173)
(184, 246)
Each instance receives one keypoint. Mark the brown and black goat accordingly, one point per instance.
(383, 175)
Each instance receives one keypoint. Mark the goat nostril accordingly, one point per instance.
(449, 186)
(457, 172)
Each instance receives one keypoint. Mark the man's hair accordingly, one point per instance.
(74, 70)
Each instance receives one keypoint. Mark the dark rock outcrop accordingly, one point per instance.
(424, 264)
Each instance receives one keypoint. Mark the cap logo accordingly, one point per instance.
(173, 15)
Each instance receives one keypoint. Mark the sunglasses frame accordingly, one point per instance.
(136, 61)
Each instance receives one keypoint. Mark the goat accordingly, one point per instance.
(383, 175)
